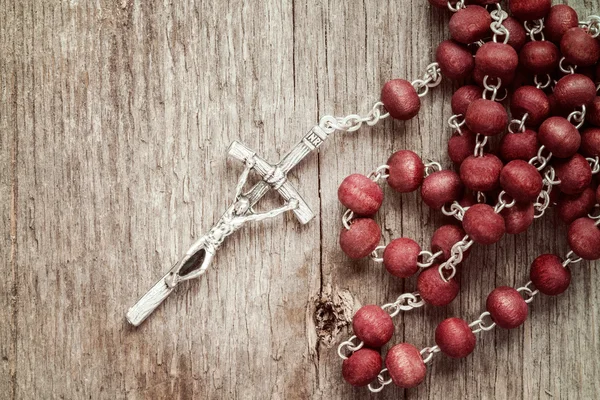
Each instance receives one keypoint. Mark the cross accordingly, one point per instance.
(200, 255)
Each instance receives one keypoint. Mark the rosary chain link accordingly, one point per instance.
(431, 167)
(480, 323)
(480, 143)
(347, 219)
(428, 352)
(456, 210)
(381, 172)
(502, 203)
(459, 5)
(383, 382)
(350, 346)
(537, 27)
(594, 164)
(456, 122)
(519, 123)
(428, 258)
(542, 85)
(592, 25)
(571, 258)
(567, 69)
(431, 79)
(577, 117)
(540, 161)
(499, 16)
(404, 302)
(488, 87)
(456, 257)
(528, 293)
(354, 122)
(543, 201)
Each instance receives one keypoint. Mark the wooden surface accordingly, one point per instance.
(115, 117)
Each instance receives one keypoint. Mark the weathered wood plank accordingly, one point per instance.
(122, 112)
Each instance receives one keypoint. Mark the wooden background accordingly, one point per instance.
(115, 116)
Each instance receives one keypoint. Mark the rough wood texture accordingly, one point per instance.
(115, 119)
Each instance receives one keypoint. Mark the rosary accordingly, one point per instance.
(545, 61)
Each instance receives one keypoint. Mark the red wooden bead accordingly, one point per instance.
(406, 171)
(574, 174)
(528, 10)
(486, 117)
(360, 194)
(517, 34)
(574, 90)
(559, 20)
(506, 307)
(435, 290)
(373, 325)
(400, 99)
(590, 142)
(572, 207)
(518, 218)
(593, 112)
(455, 60)
(584, 238)
(463, 97)
(549, 275)
(400, 257)
(559, 136)
(454, 337)
(521, 180)
(361, 239)
(540, 57)
(470, 24)
(440, 188)
(444, 238)
(362, 367)
(579, 47)
(405, 365)
(483, 224)
(481, 174)
(519, 146)
(461, 145)
(531, 101)
(497, 60)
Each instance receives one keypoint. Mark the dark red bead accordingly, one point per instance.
(579, 47)
(360, 194)
(584, 238)
(506, 307)
(593, 112)
(483, 224)
(362, 367)
(400, 257)
(455, 60)
(574, 90)
(373, 325)
(519, 146)
(549, 276)
(517, 34)
(528, 10)
(481, 174)
(470, 24)
(463, 97)
(559, 20)
(560, 137)
(574, 174)
(405, 365)
(440, 188)
(574, 206)
(521, 180)
(497, 60)
(531, 101)
(435, 290)
(590, 142)
(518, 218)
(400, 99)
(454, 338)
(540, 57)
(461, 145)
(361, 239)
(406, 171)
(444, 238)
(486, 117)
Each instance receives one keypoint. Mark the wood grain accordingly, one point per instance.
(116, 117)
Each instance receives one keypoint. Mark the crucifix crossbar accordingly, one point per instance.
(200, 255)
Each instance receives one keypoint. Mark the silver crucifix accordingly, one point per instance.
(199, 257)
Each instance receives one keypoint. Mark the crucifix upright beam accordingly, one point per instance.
(198, 258)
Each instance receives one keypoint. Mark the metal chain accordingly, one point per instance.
(456, 210)
(480, 325)
(541, 160)
(567, 69)
(577, 117)
(536, 28)
(431, 78)
(350, 346)
(528, 292)
(480, 142)
(404, 302)
(431, 167)
(353, 122)
(456, 257)
(347, 219)
(493, 89)
(594, 164)
(542, 85)
(592, 25)
(430, 351)
(498, 17)
(543, 201)
(375, 254)
(502, 204)
(428, 258)
(381, 172)
(456, 122)
(571, 258)
(520, 124)
(459, 5)
(381, 380)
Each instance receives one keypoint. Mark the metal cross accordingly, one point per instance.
(200, 255)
